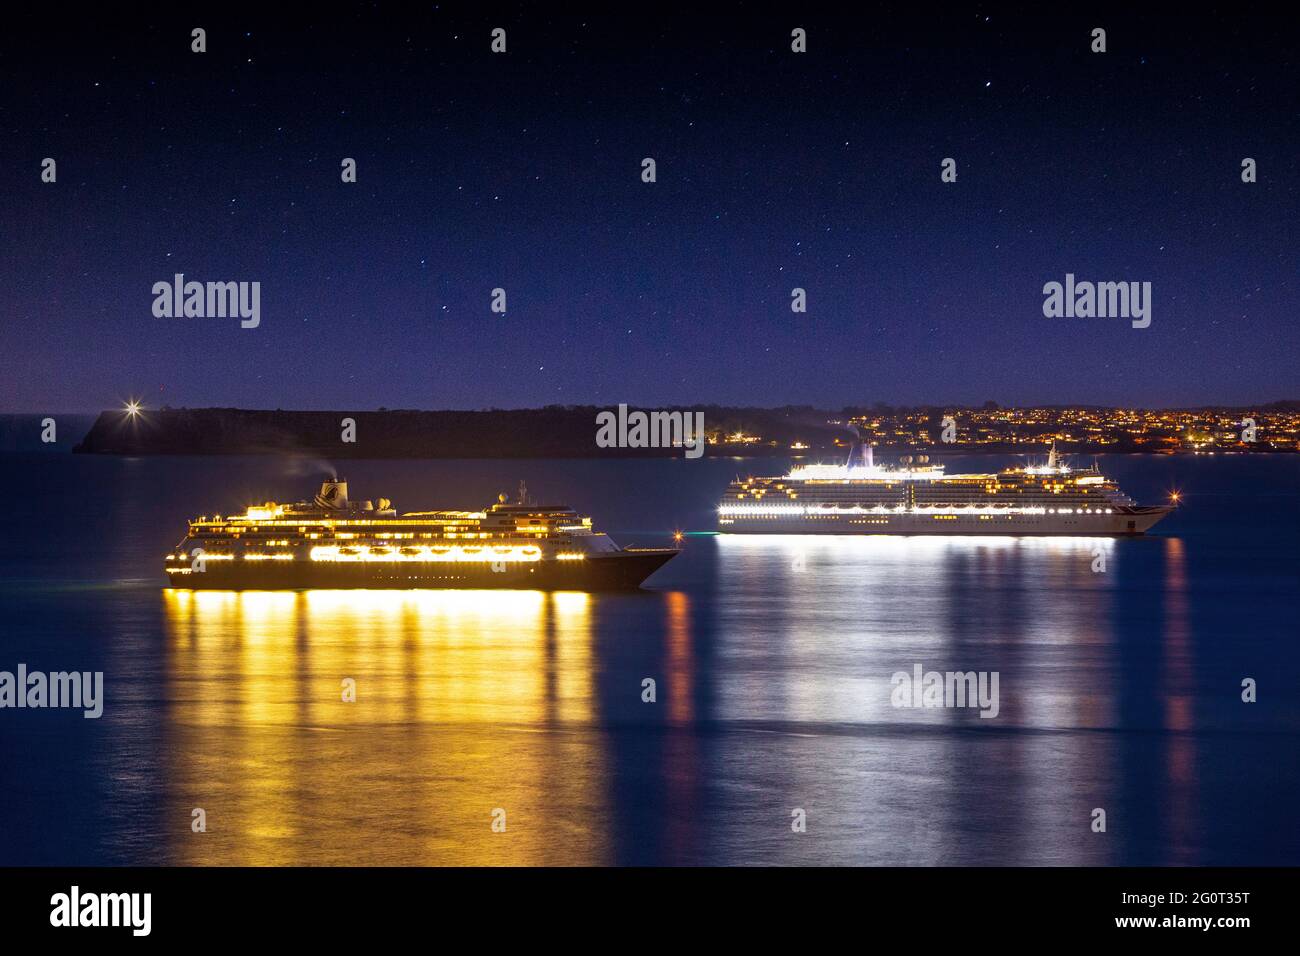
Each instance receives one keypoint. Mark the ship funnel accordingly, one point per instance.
(863, 460)
(333, 493)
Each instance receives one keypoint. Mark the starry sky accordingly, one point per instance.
(522, 170)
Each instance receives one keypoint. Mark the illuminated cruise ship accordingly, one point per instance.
(332, 542)
(919, 498)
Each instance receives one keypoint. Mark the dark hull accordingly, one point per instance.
(1129, 522)
(617, 571)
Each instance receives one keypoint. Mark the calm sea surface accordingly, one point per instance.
(1119, 690)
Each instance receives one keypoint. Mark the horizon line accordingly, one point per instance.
(598, 405)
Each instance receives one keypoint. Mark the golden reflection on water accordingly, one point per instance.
(681, 799)
(453, 689)
(1179, 678)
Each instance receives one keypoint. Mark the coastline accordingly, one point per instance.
(569, 432)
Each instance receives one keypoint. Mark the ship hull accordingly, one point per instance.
(616, 571)
(1135, 522)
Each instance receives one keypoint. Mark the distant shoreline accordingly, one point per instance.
(569, 432)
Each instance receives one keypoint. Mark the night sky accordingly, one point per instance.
(523, 171)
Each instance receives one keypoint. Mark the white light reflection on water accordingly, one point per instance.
(817, 625)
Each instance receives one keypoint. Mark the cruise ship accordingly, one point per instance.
(917, 497)
(332, 542)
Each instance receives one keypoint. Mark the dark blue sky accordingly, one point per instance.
(522, 171)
